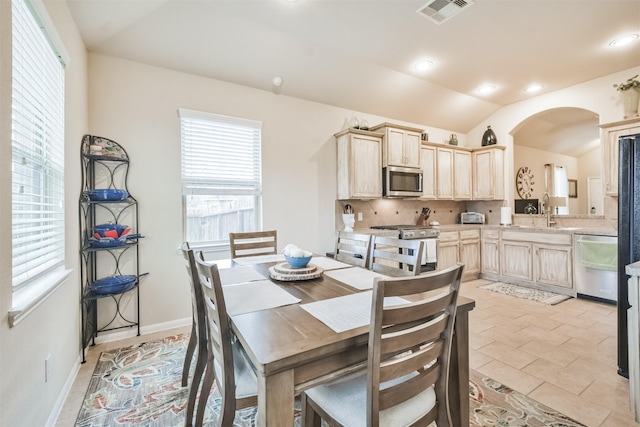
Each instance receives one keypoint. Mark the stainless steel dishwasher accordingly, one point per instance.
(594, 283)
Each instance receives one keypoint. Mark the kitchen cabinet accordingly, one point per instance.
(515, 260)
(444, 173)
(488, 173)
(553, 265)
(448, 249)
(461, 175)
(469, 246)
(490, 251)
(400, 145)
(543, 260)
(429, 171)
(359, 164)
(610, 149)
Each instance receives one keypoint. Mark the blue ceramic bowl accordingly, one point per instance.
(108, 194)
(108, 242)
(110, 230)
(298, 262)
(113, 285)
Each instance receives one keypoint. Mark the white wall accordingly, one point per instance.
(590, 165)
(53, 327)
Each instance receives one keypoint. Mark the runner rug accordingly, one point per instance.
(139, 385)
(538, 295)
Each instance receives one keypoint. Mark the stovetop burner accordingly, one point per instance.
(411, 231)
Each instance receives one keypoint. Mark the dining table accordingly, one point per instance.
(292, 350)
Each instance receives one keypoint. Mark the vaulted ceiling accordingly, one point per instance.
(360, 54)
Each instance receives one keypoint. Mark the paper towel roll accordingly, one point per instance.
(505, 216)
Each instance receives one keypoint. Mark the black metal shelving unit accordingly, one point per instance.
(105, 166)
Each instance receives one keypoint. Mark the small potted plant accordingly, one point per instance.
(630, 91)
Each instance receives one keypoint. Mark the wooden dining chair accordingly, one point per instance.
(198, 338)
(353, 248)
(395, 257)
(226, 362)
(253, 243)
(406, 380)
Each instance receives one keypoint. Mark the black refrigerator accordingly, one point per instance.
(628, 234)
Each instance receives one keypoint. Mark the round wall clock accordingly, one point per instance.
(524, 182)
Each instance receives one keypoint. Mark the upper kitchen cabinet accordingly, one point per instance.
(359, 164)
(429, 170)
(453, 172)
(444, 173)
(400, 145)
(461, 175)
(488, 173)
(610, 148)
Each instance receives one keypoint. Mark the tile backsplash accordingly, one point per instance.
(398, 211)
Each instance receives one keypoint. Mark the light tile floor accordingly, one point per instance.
(563, 356)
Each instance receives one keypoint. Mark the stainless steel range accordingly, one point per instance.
(428, 236)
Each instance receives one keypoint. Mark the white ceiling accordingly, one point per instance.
(359, 54)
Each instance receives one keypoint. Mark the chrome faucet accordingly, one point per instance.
(547, 208)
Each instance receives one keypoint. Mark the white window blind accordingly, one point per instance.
(221, 175)
(37, 150)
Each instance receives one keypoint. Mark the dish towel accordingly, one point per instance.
(429, 251)
(600, 255)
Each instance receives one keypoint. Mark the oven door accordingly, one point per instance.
(429, 254)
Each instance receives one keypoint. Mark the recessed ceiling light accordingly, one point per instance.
(423, 65)
(486, 89)
(533, 88)
(623, 40)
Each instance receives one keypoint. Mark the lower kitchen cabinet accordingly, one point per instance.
(490, 250)
(469, 245)
(553, 265)
(515, 260)
(448, 249)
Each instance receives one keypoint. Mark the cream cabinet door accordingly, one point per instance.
(490, 251)
(470, 255)
(516, 260)
(610, 149)
(359, 165)
(488, 174)
(447, 254)
(412, 149)
(462, 175)
(553, 265)
(444, 182)
(395, 147)
(428, 160)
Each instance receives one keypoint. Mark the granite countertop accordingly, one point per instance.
(524, 228)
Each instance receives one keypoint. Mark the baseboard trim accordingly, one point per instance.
(144, 330)
(64, 393)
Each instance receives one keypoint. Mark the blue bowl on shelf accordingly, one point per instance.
(298, 262)
(110, 230)
(112, 285)
(108, 242)
(107, 194)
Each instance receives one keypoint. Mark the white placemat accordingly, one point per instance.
(230, 276)
(355, 277)
(255, 296)
(259, 259)
(347, 312)
(328, 263)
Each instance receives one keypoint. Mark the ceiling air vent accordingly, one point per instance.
(441, 10)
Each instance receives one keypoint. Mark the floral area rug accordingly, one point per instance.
(544, 297)
(140, 385)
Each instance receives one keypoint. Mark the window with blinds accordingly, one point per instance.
(37, 150)
(221, 176)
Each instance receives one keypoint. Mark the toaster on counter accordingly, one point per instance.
(471, 218)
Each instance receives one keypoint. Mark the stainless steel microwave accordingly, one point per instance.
(401, 182)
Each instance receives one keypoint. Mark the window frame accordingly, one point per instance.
(29, 294)
(256, 191)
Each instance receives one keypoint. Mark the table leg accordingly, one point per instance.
(275, 400)
(459, 371)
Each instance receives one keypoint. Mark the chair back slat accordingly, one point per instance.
(410, 344)
(395, 257)
(353, 248)
(253, 243)
(198, 310)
